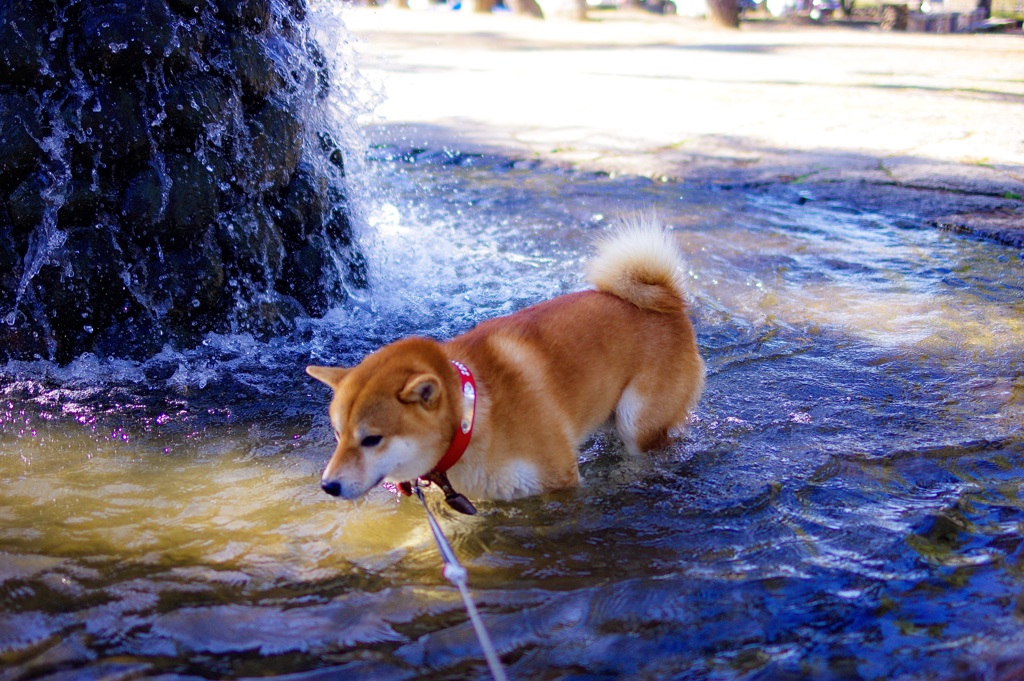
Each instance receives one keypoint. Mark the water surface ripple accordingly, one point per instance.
(847, 504)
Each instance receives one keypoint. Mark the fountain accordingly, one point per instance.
(847, 505)
(167, 171)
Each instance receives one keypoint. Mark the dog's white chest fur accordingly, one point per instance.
(516, 478)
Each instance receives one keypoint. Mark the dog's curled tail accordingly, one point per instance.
(640, 263)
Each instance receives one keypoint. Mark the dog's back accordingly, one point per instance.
(557, 370)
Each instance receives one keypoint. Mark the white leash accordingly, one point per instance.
(456, 574)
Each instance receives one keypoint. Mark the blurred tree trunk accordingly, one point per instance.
(483, 6)
(564, 9)
(581, 10)
(528, 8)
(724, 13)
(402, 4)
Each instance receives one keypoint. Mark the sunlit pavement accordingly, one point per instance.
(930, 121)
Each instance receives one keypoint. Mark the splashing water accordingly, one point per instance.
(47, 239)
(846, 505)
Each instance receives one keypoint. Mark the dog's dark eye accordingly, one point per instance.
(371, 441)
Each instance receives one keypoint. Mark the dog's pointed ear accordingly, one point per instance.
(424, 389)
(331, 376)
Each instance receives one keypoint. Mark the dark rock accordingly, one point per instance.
(276, 141)
(271, 317)
(323, 72)
(83, 200)
(26, 204)
(118, 38)
(302, 68)
(113, 123)
(189, 9)
(298, 8)
(145, 199)
(252, 247)
(254, 68)
(82, 287)
(190, 106)
(333, 151)
(135, 334)
(193, 197)
(358, 268)
(313, 276)
(305, 268)
(25, 339)
(189, 47)
(338, 228)
(303, 205)
(25, 49)
(195, 303)
(254, 14)
(19, 129)
(10, 267)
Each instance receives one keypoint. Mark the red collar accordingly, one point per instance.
(459, 445)
(464, 433)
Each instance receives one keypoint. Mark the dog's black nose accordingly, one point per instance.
(333, 488)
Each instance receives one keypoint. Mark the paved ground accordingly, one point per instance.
(923, 124)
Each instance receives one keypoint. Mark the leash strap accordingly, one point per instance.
(456, 574)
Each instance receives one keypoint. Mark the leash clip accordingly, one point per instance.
(455, 500)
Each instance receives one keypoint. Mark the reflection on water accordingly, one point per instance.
(847, 505)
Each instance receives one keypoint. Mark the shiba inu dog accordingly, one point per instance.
(499, 411)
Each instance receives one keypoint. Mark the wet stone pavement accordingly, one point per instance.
(923, 127)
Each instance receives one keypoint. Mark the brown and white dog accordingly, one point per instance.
(502, 408)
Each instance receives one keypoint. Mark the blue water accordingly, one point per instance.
(846, 505)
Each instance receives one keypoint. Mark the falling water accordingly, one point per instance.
(47, 239)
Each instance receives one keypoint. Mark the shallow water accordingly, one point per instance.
(846, 505)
